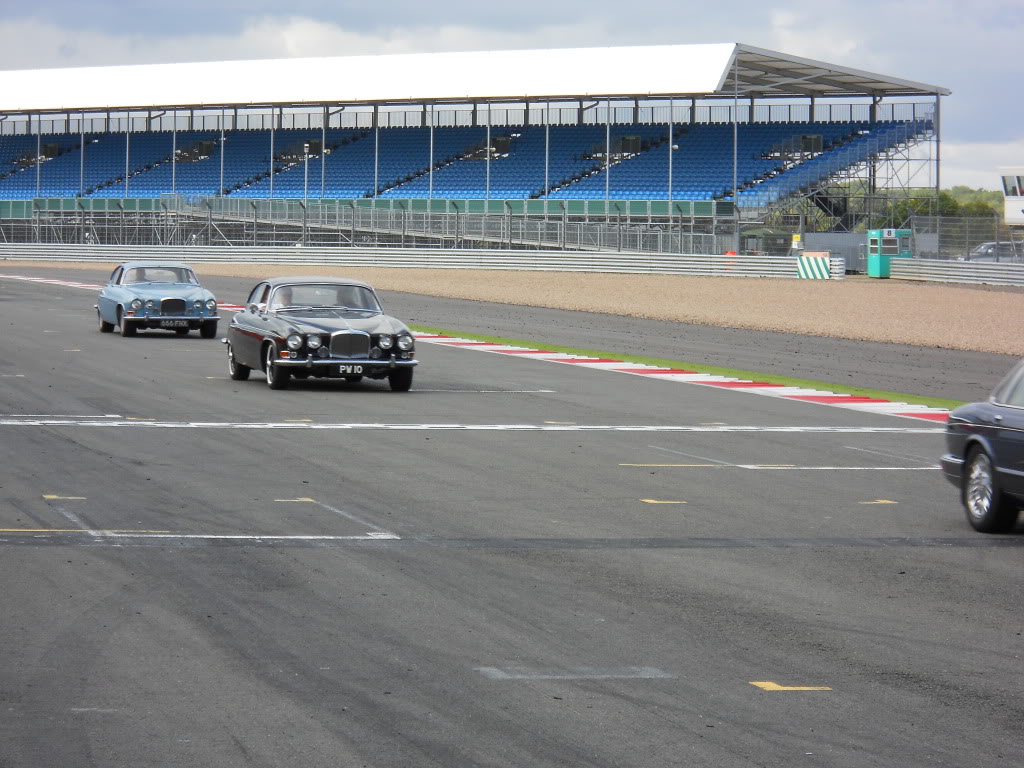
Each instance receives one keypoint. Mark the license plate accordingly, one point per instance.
(174, 323)
(350, 369)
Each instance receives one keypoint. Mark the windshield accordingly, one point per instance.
(324, 295)
(159, 275)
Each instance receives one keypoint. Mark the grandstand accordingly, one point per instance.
(729, 124)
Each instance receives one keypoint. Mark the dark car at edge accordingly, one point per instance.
(985, 455)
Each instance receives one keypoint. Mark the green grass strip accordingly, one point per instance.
(769, 378)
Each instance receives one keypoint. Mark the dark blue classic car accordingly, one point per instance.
(156, 294)
(985, 455)
(324, 327)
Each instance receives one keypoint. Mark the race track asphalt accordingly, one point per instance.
(515, 564)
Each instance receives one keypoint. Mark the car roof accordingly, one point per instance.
(169, 264)
(303, 279)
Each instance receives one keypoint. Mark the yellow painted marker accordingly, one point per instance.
(138, 418)
(768, 685)
(303, 499)
(54, 497)
(656, 501)
(879, 501)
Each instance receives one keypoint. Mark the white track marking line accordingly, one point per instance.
(776, 467)
(466, 427)
(692, 456)
(918, 459)
(375, 530)
(583, 673)
(77, 521)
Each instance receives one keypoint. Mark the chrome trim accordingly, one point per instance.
(158, 318)
(310, 362)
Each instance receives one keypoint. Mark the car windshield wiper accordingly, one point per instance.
(292, 308)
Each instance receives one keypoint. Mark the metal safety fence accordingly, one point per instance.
(432, 258)
(939, 271)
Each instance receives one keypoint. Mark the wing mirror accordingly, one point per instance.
(257, 308)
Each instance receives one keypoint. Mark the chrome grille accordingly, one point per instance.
(172, 307)
(350, 344)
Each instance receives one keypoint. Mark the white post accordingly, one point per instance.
(671, 109)
(127, 152)
(487, 189)
(273, 125)
(430, 171)
(220, 191)
(81, 157)
(607, 152)
(174, 153)
(547, 152)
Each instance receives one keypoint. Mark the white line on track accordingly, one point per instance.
(93, 422)
(376, 530)
(585, 673)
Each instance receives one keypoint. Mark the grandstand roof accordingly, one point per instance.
(645, 72)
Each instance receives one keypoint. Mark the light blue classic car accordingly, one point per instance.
(156, 294)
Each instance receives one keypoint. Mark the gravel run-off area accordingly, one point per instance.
(978, 318)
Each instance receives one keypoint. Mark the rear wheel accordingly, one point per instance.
(208, 329)
(127, 328)
(989, 510)
(236, 370)
(277, 375)
(400, 379)
(105, 327)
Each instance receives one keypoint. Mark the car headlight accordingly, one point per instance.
(136, 304)
(211, 304)
(405, 342)
(150, 304)
(197, 304)
(294, 341)
(313, 342)
(385, 342)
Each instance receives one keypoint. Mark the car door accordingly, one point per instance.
(108, 299)
(1008, 440)
(248, 327)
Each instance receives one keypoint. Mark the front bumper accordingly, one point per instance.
(368, 364)
(953, 469)
(153, 321)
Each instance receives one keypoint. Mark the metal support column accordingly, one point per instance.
(174, 154)
(81, 158)
(547, 153)
(39, 154)
(671, 116)
(376, 150)
(938, 143)
(127, 153)
(487, 158)
(272, 127)
(735, 152)
(323, 154)
(430, 171)
(220, 191)
(607, 153)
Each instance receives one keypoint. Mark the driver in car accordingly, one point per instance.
(282, 298)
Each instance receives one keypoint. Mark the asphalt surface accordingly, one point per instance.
(342, 586)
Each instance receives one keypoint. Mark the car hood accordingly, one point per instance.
(346, 322)
(185, 291)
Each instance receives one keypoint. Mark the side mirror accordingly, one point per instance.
(257, 308)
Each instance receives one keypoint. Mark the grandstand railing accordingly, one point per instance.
(362, 118)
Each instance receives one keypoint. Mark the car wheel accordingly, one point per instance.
(181, 331)
(127, 329)
(400, 379)
(208, 330)
(989, 510)
(105, 327)
(277, 375)
(236, 370)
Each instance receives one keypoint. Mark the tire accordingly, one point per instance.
(105, 327)
(181, 331)
(127, 329)
(400, 379)
(208, 330)
(236, 370)
(277, 376)
(988, 509)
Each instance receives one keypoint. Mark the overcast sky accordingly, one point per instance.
(976, 49)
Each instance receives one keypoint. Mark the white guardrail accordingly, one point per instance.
(936, 270)
(430, 258)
